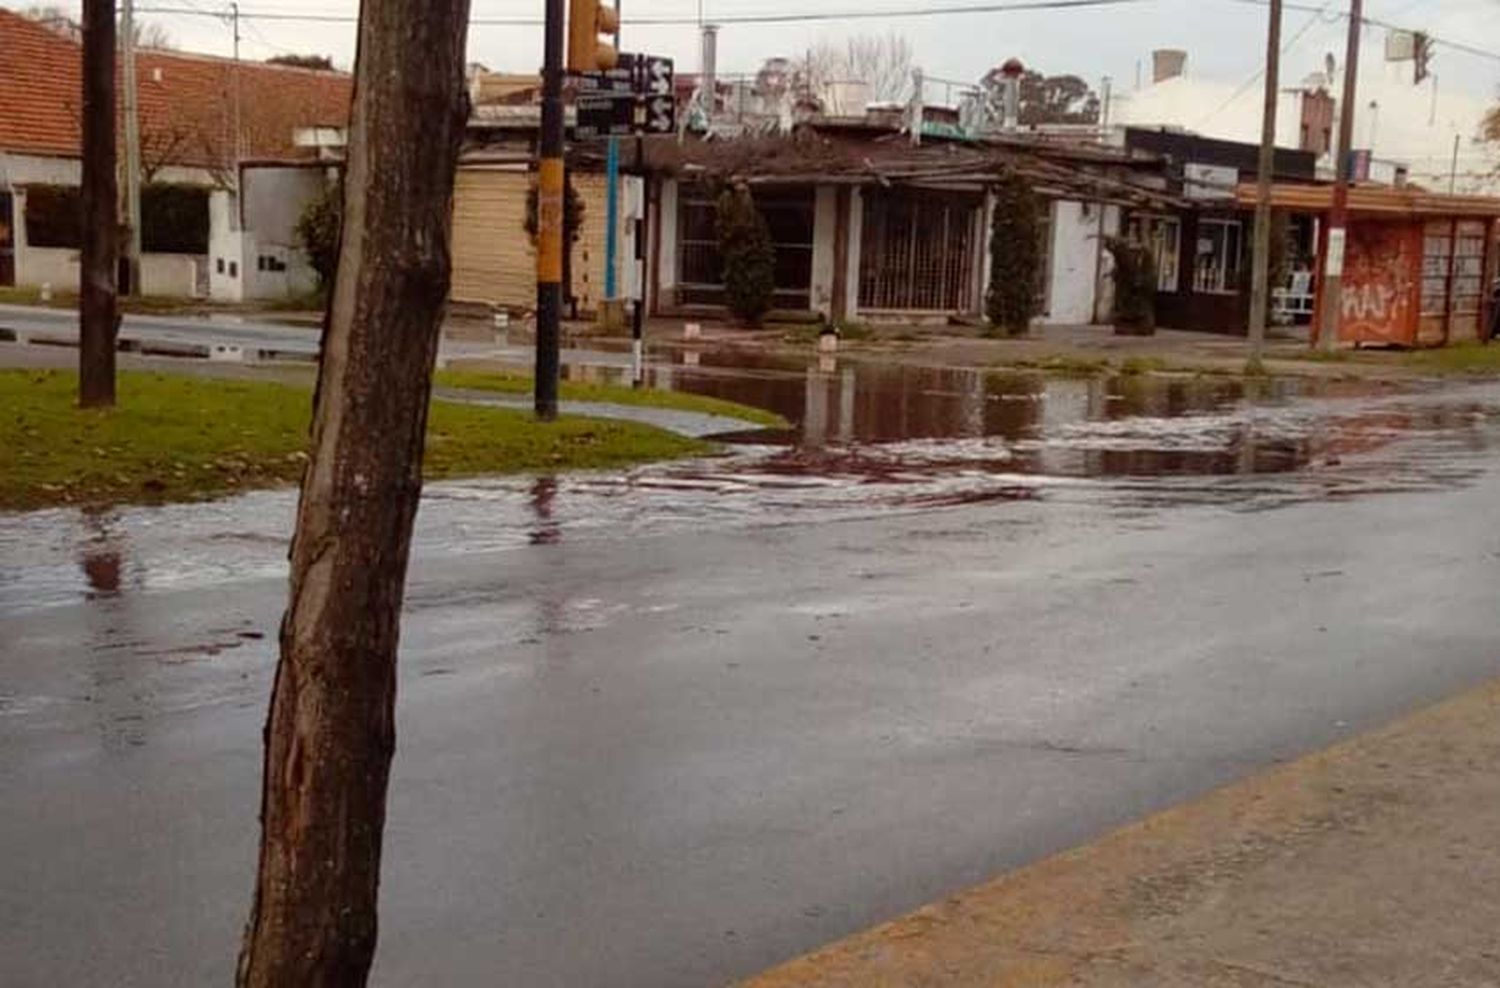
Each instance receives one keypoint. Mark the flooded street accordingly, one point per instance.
(717, 712)
(866, 440)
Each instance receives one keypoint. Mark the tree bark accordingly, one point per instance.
(98, 305)
(330, 733)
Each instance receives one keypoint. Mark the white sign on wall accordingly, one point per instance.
(1209, 181)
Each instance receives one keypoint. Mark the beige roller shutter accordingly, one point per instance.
(493, 261)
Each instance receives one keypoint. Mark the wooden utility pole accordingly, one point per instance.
(330, 733)
(98, 303)
(1331, 300)
(1260, 288)
(1453, 172)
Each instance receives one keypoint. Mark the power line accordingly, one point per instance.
(1245, 87)
(1464, 47)
(787, 18)
(805, 17)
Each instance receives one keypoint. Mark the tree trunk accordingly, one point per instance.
(98, 306)
(330, 733)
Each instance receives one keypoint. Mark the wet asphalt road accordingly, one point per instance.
(191, 334)
(647, 741)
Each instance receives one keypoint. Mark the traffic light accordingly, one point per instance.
(1422, 53)
(587, 20)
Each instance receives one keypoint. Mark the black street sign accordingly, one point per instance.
(661, 115)
(654, 81)
(634, 97)
(605, 115)
(620, 79)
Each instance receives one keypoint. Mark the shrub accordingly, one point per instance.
(748, 254)
(54, 216)
(318, 230)
(573, 210)
(174, 219)
(1015, 256)
(1135, 286)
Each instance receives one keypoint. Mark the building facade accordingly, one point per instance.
(244, 145)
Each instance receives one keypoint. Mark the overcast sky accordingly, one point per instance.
(1225, 38)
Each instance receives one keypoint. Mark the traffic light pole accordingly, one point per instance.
(549, 253)
(1331, 303)
(638, 309)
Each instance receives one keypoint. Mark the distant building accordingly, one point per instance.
(866, 225)
(244, 145)
(1398, 122)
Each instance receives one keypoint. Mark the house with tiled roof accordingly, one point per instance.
(242, 147)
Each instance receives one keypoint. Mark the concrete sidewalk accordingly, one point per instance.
(1376, 862)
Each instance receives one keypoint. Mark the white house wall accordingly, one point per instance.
(825, 235)
(275, 266)
(56, 267)
(1075, 262)
(25, 169)
(226, 249)
(856, 246)
(666, 263)
(174, 275)
(1104, 292)
(33, 169)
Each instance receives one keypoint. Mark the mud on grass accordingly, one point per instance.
(521, 384)
(181, 438)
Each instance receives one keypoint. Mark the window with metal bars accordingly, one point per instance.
(700, 266)
(917, 251)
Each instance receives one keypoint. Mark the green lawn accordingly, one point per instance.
(182, 438)
(1459, 358)
(520, 384)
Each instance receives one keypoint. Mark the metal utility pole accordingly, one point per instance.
(1331, 304)
(98, 302)
(611, 205)
(549, 240)
(642, 235)
(132, 150)
(1260, 288)
(611, 219)
(237, 97)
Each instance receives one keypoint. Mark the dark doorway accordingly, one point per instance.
(7, 240)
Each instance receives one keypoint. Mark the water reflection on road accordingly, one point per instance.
(865, 439)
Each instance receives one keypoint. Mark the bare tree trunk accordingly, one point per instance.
(98, 306)
(330, 734)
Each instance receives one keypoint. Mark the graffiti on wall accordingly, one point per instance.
(1379, 282)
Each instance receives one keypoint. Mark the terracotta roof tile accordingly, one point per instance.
(186, 101)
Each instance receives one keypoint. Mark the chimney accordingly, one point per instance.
(1168, 63)
(1010, 74)
(709, 68)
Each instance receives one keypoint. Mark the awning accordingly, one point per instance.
(1373, 200)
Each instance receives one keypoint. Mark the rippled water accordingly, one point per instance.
(1126, 442)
